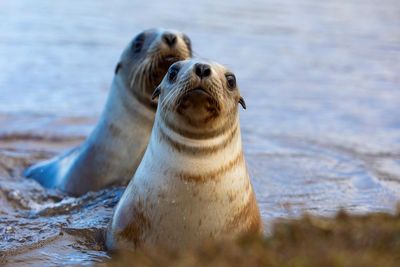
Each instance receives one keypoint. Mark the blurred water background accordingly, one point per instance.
(320, 78)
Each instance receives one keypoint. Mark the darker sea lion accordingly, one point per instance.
(112, 152)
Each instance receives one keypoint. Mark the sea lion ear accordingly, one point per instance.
(119, 65)
(156, 93)
(241, 102)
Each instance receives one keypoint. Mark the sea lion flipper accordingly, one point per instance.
(47, 173)
(44, 172)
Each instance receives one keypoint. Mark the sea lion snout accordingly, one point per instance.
(198, 101)
(202, 70)
(200, 91)
(169, 39)
(148, 57)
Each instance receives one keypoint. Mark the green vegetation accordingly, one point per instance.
(346, 240)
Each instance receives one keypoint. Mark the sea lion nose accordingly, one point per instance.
(169, 39)
(202, 70)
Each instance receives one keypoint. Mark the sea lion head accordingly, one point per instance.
(199, 93)
(147, 58)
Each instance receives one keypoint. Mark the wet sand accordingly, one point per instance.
(322, 128)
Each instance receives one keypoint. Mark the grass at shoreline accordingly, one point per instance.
(346, 240)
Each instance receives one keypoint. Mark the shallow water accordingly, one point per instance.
(321, 82)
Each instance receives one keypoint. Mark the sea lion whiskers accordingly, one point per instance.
(171, 96)
(166, 99)
(186, 85)
(136, 74)
(153, 67)
(149, 65)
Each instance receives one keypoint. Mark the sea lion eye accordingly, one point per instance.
(173, 73)
(231, 80)
(137, 44)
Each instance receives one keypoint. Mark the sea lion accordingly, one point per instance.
(112, 152)
(192, 183)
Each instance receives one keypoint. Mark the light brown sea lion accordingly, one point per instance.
(192, 183)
